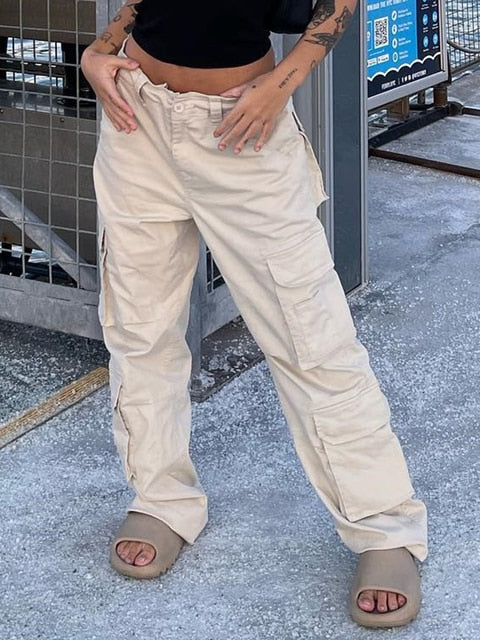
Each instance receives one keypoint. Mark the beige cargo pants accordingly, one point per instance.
(157, 188)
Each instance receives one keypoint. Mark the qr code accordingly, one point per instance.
(380, 27)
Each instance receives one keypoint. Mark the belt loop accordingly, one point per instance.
(140, 82)
(216, 111)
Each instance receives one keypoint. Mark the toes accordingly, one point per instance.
(137, 553)
(145, 556)
(366, 601)
(389, 601)
(382, 605)
(392, 601)
(125, 552)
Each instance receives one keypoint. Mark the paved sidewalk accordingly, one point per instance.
(269, 565)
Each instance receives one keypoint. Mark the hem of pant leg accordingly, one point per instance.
(418, 550)
(188, 538)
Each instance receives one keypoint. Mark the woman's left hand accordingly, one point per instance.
(255, 113)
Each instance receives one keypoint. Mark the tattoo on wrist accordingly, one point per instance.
(287, 79)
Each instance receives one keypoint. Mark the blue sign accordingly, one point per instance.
(403, 43)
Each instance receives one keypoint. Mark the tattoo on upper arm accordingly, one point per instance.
(328, 40)
(323, 10)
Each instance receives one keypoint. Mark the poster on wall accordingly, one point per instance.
(406, 48)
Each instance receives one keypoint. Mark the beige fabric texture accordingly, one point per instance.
(158, 188)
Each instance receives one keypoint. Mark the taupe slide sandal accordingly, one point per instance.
(391, 570)
(143, 528)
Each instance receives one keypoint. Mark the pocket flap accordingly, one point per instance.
(302, 263)
(346, 420)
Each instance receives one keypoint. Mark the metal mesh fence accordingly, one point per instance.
(48, 134)
(463, 33)
(48, 141)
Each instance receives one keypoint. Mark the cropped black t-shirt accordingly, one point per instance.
(204, 34)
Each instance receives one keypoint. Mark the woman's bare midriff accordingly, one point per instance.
(210, 81)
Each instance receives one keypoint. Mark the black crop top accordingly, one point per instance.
(204, 34)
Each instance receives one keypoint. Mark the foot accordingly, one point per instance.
(144, 547)
(136, 553)
(380, 601)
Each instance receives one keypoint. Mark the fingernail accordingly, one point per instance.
(221, 147)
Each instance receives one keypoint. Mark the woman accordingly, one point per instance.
(213, 147)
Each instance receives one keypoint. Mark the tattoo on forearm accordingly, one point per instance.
(286, 80)
(343, 19)
(328, 40)
(128, 13)
(106, 36)
(323, 10)
(128, 28)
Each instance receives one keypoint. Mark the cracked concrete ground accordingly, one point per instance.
(269, 565)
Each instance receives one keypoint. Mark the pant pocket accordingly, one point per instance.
(122, 434)
(313, 167)
(365, 457)
(312, 300)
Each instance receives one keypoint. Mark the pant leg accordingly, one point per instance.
(258, 217)
(148, 247)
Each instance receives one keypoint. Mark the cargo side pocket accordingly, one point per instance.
(365, 456)
(312, 300)
(313, 166)
(122, 435)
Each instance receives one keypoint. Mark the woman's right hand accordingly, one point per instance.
(101, 70)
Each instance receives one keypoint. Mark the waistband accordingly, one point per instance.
(213, 104)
